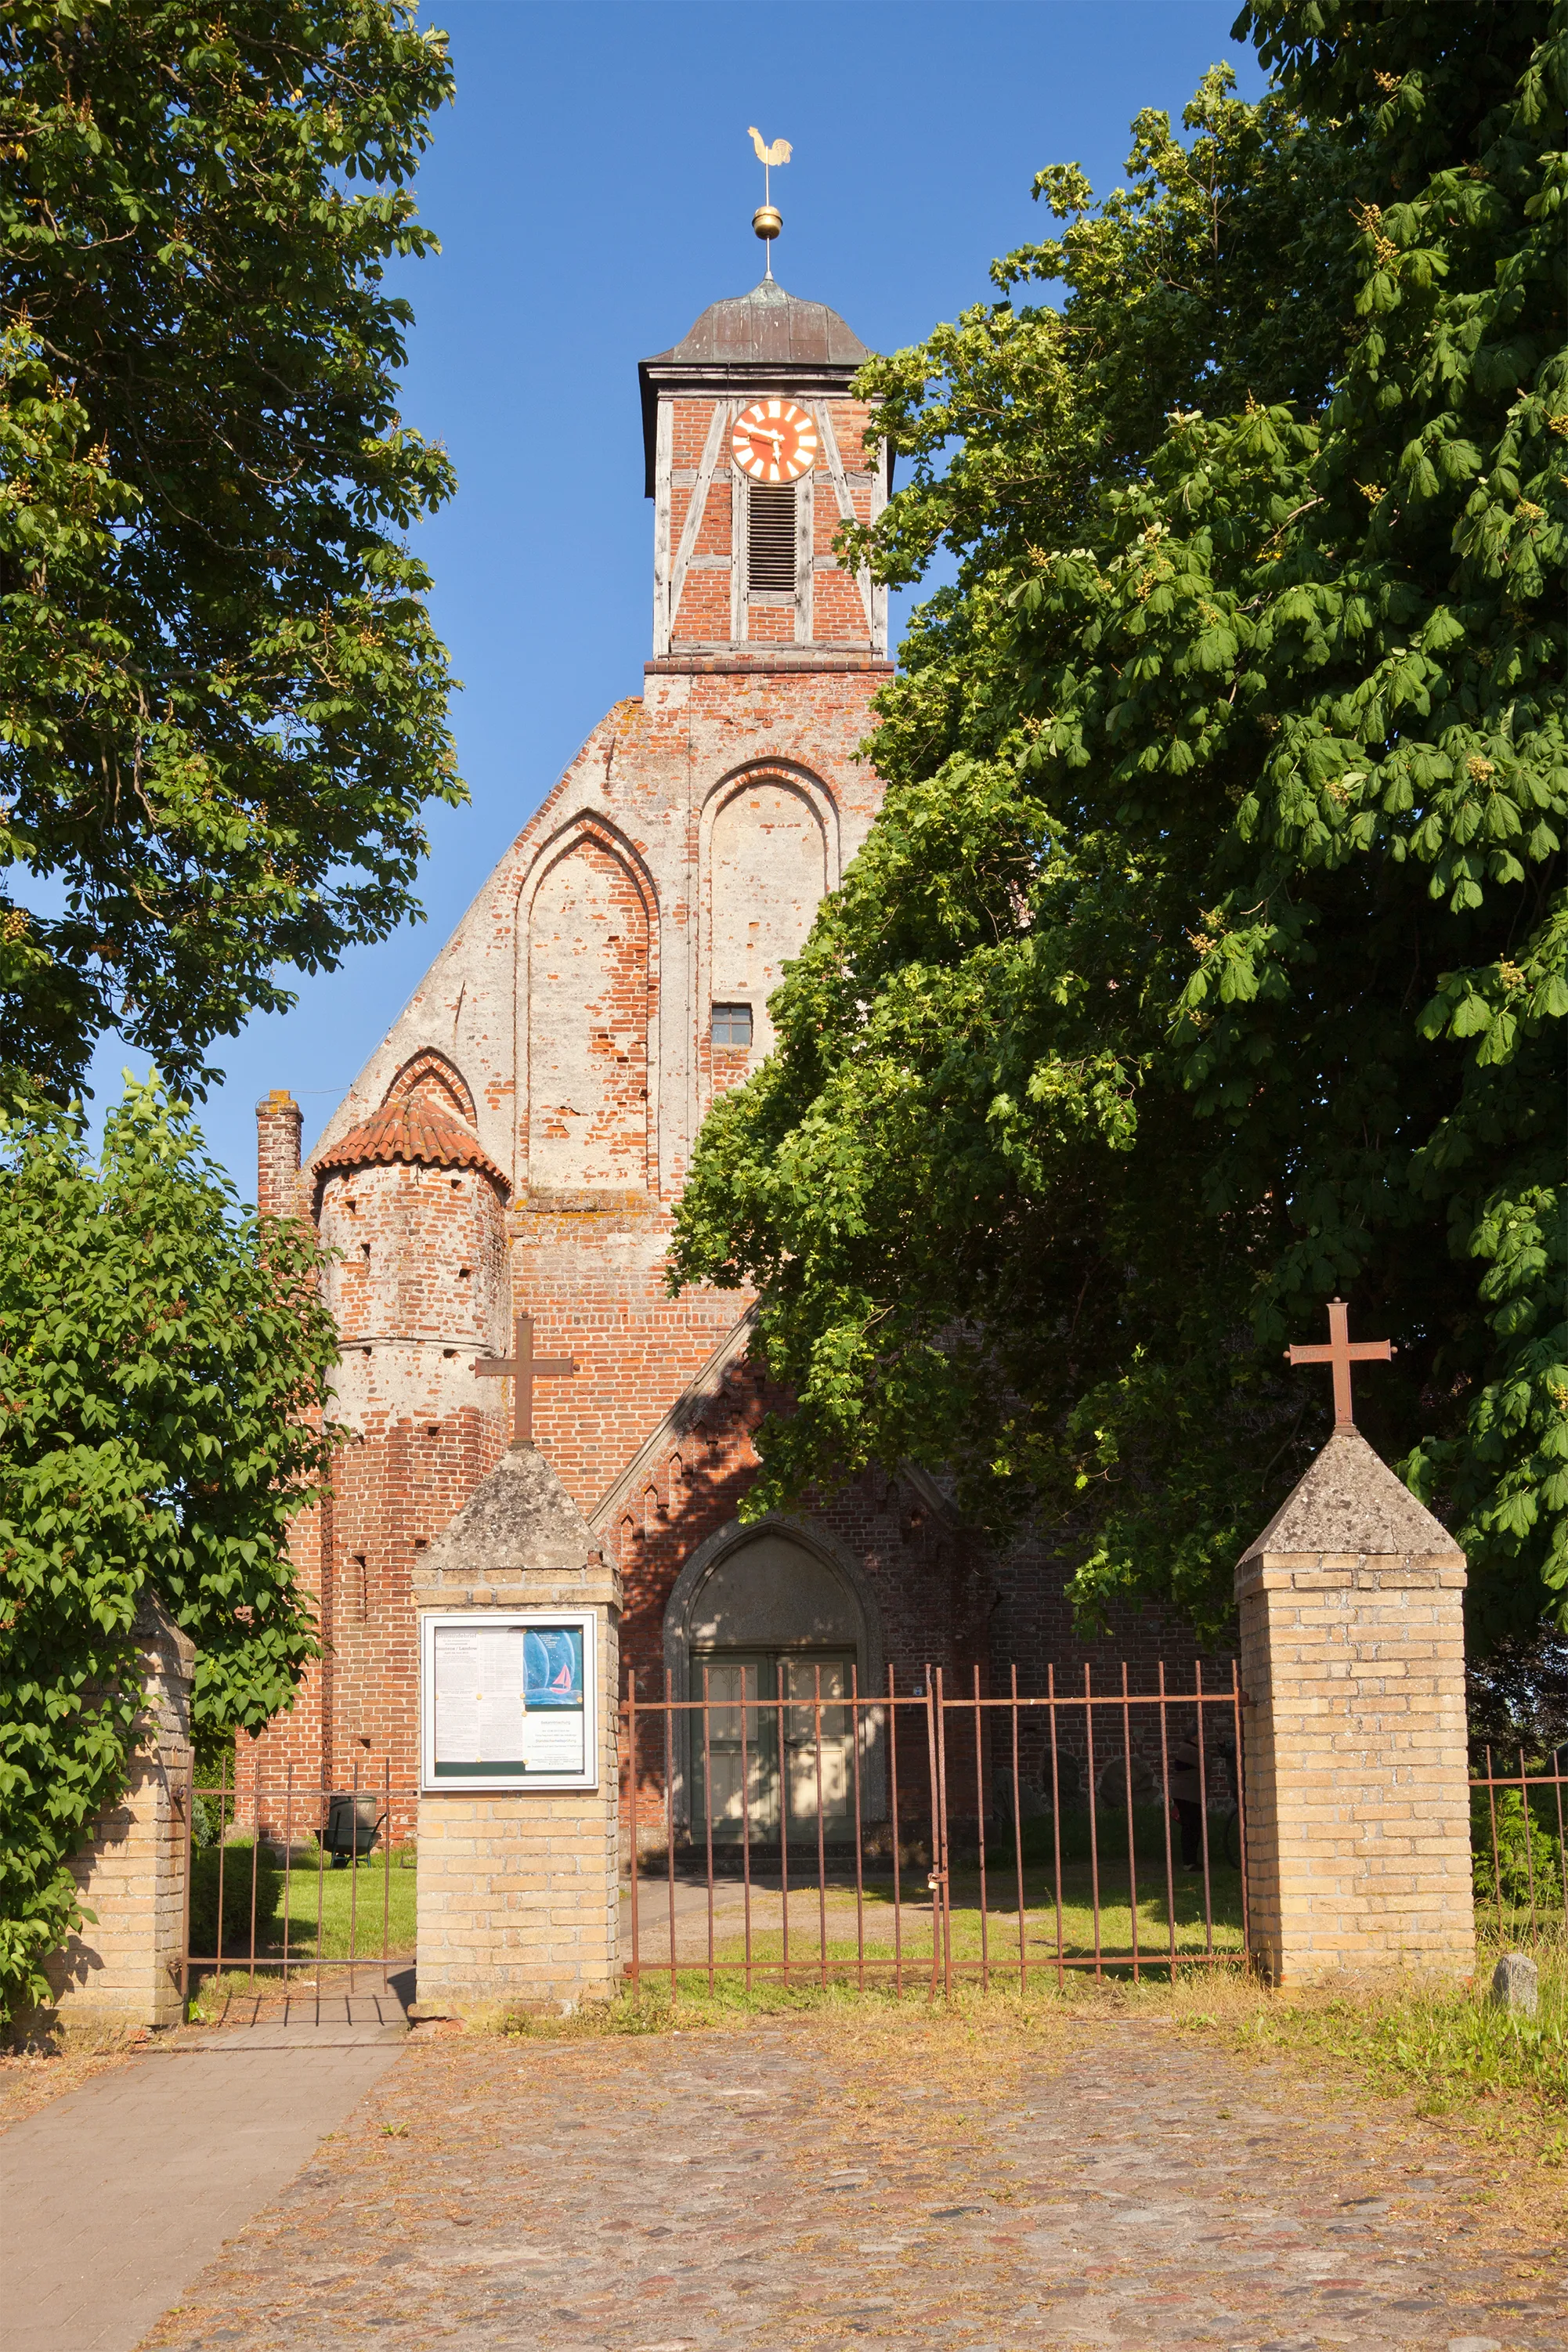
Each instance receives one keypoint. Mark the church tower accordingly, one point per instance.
(755, 462)
(520, 1140)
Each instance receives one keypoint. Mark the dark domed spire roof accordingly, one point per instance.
(763, 341)
(768, 325)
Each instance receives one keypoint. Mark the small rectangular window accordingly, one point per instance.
(770, 538)
(732, 1026)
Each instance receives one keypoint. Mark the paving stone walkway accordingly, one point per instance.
(114, 2197)
(789, 2188)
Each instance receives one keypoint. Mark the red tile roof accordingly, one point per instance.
(414, 1131)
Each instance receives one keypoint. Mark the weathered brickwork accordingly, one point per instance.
(278, 1128)
(123, 1968)
(1358, 1798)
(550, 1074)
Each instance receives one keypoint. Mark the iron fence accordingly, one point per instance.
(1517, 1837)
(788, 1826)
(253, 1849)
(922, 1836)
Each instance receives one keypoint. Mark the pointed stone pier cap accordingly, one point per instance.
(520, 1538)
(1349, 1508)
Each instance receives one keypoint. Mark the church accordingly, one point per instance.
(517, 1144)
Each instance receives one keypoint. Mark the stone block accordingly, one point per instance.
(124, 1967)
(1516, 1984)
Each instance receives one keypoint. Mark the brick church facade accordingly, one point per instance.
(520, 1139)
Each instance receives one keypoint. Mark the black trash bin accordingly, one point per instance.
(353, 1827)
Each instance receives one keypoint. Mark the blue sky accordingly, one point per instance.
(592, 188)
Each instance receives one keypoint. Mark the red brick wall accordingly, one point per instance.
(702, 612)
(590, 997)
(278, 1123)
(568, 1020)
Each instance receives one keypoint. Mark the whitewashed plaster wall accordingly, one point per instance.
(768, 854)
(657, 778)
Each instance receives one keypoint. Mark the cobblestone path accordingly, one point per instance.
(1104, 2184)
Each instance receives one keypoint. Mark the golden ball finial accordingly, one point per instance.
(767, 220)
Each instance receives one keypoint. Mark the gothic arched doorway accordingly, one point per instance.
(777, 1626)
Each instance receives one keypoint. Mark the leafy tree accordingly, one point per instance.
(164, 1376)
(1208, 956)
(222, 706)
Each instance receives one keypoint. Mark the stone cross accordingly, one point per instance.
(1342, 1352)
(522, 1368)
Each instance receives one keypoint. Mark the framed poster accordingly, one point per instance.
(507, 1699)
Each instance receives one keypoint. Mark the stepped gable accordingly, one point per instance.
(414, 1131)
(1350, 1504)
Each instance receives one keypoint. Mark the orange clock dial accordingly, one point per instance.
(774, 441)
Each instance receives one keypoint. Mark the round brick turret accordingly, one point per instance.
(415, 1210)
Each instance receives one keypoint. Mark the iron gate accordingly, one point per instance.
(980, 1835)
(291, 1884)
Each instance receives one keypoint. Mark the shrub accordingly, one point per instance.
(1528, 1854)
(237, 1858)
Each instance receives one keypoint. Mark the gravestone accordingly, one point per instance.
(124, 1967)
(1352, 1665)
(518, 1900)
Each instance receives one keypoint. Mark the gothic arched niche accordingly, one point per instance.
(588, 1012)
(774, 1593)
(430, 1077)
(778, 1614)
(768, 868)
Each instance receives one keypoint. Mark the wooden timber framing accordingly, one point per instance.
(696, 506)
(868, 597)
(662, 612)
(674, 552)
(740, 555)
(804, 554)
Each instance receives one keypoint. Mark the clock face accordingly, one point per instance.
(774, 441)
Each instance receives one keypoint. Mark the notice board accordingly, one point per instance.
(508, 1698)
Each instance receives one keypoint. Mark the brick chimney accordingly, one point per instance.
(277, 1125)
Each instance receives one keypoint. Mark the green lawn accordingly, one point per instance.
(1200, 1942)
(306, 1913)
(374, 1895)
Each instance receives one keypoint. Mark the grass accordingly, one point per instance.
(375, 1890)
(1452, 2047)
(977, 1939)
(355, 1904)
(1193, 1933)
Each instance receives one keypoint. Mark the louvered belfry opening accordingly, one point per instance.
(770, 538)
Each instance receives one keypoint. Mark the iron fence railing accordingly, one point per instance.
(1517, 1837)
(254, 1849)
(781, 1825)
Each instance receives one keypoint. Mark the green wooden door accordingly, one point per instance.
(816, 1735)
(740, 1749)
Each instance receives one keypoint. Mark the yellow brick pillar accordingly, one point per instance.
(519, 1897)
(1353, 1663)
(122, 1968)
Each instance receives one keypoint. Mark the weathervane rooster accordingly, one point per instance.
(767, 220)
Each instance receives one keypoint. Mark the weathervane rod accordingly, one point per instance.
(767, 220)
